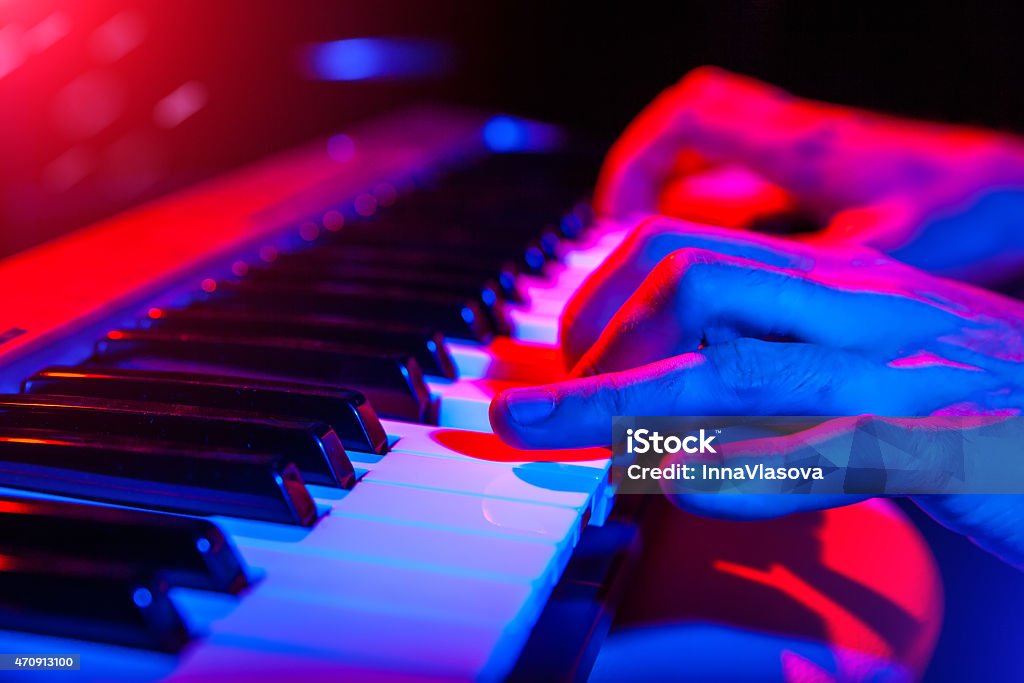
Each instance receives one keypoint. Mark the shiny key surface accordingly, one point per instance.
(312, 446)
(76, 598)
(184, 551)
(154, 475)
(391, 380)
(347, 411)
(424, 344)
(455, 315)
(438, 563)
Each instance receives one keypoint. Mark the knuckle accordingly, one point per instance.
(751, 366)
(739, 366)
(679, 275)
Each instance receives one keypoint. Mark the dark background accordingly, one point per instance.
(590, 66)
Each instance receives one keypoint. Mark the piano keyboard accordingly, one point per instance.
(245, 430)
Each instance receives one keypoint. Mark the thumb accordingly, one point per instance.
(743, 377)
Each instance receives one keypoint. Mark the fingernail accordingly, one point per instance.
(529, 406)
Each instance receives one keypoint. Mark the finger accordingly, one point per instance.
(744, 377)
(607, 289)
(828, 156)
(696, 297)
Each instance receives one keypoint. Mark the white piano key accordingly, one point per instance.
(557, 286)
(435, 567)
(464, 403)
(531, 327)
(550, 474)
(362, 638)
(471, 360)
(530, 482)
(409, 592)
(595, 252)
(469, 513)
(405, 546)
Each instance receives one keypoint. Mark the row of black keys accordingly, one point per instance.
(239, 406)
(231, 405)
(88, 571)
(368, 308)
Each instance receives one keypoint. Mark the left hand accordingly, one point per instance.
(946, 199)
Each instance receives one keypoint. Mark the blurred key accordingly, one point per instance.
(486, 294)
(433, 261)
(467, 279)
(393, 382)
(437, 255)
(312, 446)
(480, 241)
(410, 266)
(426, 346)
(454, 315)
(186, 551)
(157, 476)
(347, 411)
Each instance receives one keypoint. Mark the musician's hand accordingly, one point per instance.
(650, 241)
(851, 332)
(947, 199)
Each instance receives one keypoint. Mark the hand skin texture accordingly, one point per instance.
(688, 319)
(745, 324)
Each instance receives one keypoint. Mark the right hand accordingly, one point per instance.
(851, 332)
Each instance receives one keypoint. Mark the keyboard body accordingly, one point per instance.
(437, 563)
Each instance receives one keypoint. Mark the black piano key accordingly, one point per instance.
(528, 257)
(473, 238)
(346, 410)
(186, 551)
(455, 316)
(126, 471)
(488, 295)
(403, 268)
(505, 210)
(393, 382)
(575, 221)
(63, 596)
(424, 261)
(427, 347)
(312, 446)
